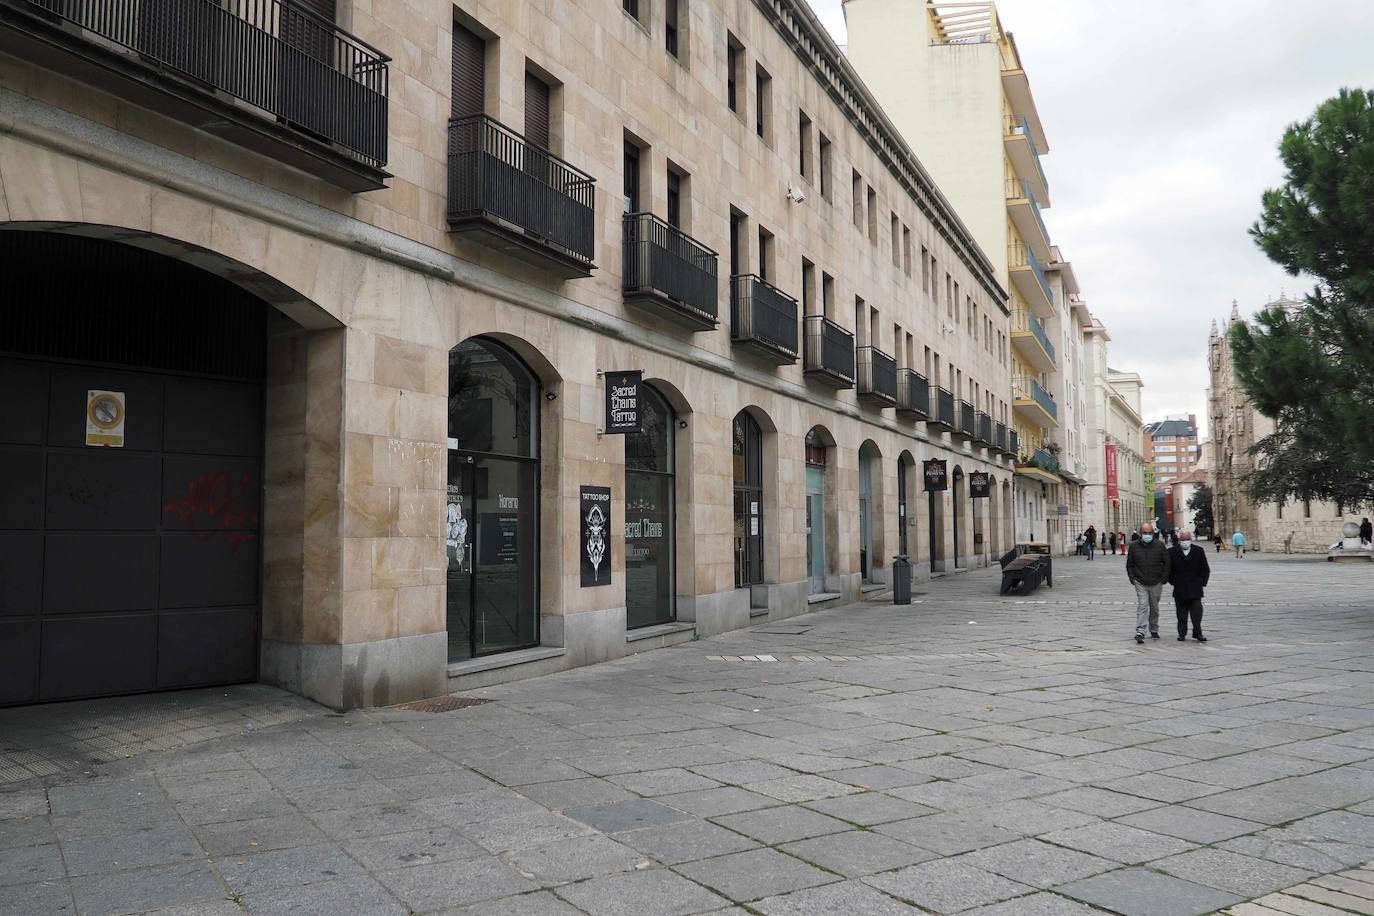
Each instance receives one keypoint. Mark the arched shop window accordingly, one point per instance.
(748, 474)
(649, 522)
(491, 530)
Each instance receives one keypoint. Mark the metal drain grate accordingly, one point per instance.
(446, 703)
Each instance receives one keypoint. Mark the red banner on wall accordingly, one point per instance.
(1111, 472)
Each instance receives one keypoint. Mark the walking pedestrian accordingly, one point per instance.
(1288, 542)
(1188, 574)
(1078, 546)
(1111, 543)
(1102, 541)
(1366, 530)
(1216, 538)
(1238, 542)
(1147, 568)
(1090, 540)
(1121, 540)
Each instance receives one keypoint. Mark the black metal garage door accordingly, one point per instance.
(129, 557)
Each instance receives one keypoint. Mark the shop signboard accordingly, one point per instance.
(595, 515)
(936, 475)
(622, 402)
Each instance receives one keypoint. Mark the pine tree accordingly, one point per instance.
(1310, 368)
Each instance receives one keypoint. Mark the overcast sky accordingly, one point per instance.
(1163, 122)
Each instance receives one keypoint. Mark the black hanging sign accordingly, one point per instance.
(622, 401)
(936, 476)
(978, 485)
(596, 536)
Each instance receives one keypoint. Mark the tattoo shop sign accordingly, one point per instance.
(596, 536)
(622, 401)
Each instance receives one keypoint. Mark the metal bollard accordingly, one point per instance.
(901, 580)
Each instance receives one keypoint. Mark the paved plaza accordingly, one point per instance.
(969, 753)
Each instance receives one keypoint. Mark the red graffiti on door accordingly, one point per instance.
(222, 500)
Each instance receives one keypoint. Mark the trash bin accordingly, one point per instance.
(901, 580)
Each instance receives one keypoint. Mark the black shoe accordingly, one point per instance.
(1139, 640)
(1154, 636)
(1183, 639)
(1198, 638)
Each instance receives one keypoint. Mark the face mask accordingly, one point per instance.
(1147, 538)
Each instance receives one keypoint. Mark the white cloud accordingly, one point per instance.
(1164, 122)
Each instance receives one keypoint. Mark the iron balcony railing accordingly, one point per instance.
(944, 408)
(1019, 188)
(1045, 460)
(497, 179)
(828, 352)
(913, 393)
(1013, 443)
(667, 267)
(967, 420)
(1025, 388)
(1018, 126)
(985, 428)
(999, 438)
(1024, 320)
(877, 376)
(1018, 255)
(272, 54)
(763, 318)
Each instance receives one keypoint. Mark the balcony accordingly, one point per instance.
(913, 394)
(827, 352)
(267, 75)
(999, 438)
(1019, 142)
(1029, 338)
(965, 421)
(877, 377)
(984, 436)
(943, 403)
(1029, 279)
(1039, 463)
(519, 198)
(763, 319)
(1034, 402)
(1013, 443)
(1024, 211)
(669, 272)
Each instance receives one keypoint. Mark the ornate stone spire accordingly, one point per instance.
(1214, 327)
(1235, 310)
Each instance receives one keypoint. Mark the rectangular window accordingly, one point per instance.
(949, 295)
(674, 199)
(631, 7)
(906, 251)
(808, 287)
(896, 241)
(925, 269)
(734, 67)
(670, 26)
(763, 104)
(631, 178)
(872, 216)
(536, 111)
(828, 295)
(736, 242)
(765, 255)
(858, 192)
(860, 322)
(804, 145)
(825, 166)
(469, 79)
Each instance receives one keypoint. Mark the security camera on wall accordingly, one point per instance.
(796, 195)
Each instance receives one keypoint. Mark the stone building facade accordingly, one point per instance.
(1234, 428)
(356, 351)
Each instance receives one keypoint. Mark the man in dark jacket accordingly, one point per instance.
(1147, 566)
(1111, 542)
(1188, 574)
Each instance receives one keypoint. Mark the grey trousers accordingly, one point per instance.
(1147, 607)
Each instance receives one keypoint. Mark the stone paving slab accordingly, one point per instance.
(883, 759)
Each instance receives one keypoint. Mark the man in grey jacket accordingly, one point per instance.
(1147, 566)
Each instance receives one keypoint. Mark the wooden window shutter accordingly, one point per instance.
(536, 111)
(469, 72)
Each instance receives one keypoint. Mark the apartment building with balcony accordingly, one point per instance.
(952, 79)
(1171, 447)
(362, 297)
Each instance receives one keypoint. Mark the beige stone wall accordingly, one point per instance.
(377, 292)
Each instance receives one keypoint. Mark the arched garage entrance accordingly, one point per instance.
(132, 454)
